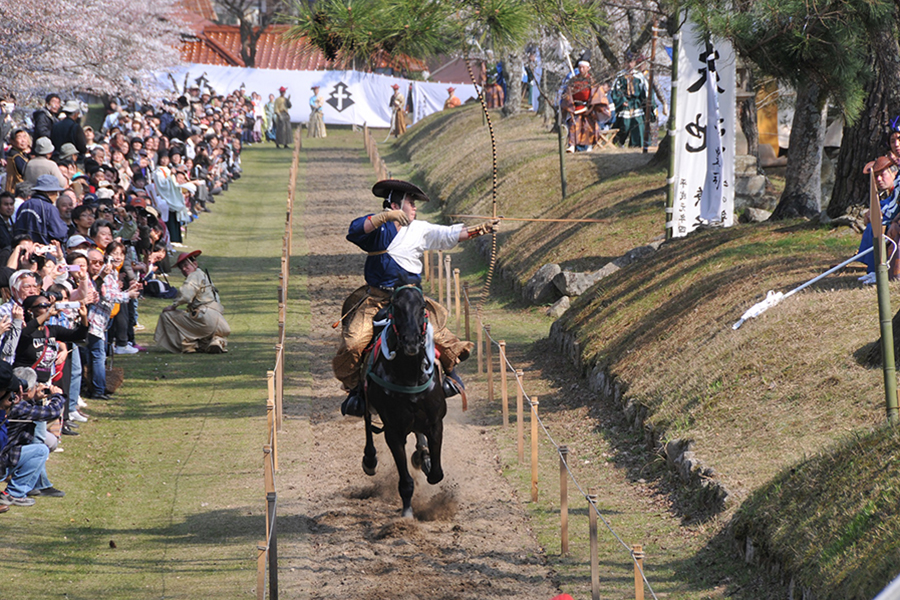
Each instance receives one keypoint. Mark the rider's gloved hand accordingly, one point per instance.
(397, 216)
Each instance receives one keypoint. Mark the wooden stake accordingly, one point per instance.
(458, 301)
(261, 570)
(448, 278)
(504, 392)
(638, 552)
(534, 450)
(270, 413)
(466, 306)
(478, 348)
(279, 385)
(595, 551)
(440, 277)
(563, 501)
(520, 417)
(489, 356)
(431, 278)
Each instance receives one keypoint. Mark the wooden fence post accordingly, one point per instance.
(270, 413)
(489, 365)
(261, 559)
(638, 552)
(466, 307)
(534, 449)
(520, 417)
(595, 551)
(504, 393)
(440, 277)
(479, 347)
(448, 278)
(426, 267)
(279, 384)
(563, 501)
(458, 301)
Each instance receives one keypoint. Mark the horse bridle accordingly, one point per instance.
(391, 316)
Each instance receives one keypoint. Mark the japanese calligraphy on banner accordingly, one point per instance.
(351, 97)
(704, 135)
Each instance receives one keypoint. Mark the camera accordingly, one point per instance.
(68, 305)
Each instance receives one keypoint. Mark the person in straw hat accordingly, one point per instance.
(395, 242)
(316, 126)
(200, 328)
(452, 100)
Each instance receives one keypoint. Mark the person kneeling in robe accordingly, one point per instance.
(200, 328)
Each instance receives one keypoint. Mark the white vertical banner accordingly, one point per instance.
(704, 136)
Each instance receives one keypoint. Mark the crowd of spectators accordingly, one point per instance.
(89, 222)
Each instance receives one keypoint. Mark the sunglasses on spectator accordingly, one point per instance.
(96, 262)
(41, 305)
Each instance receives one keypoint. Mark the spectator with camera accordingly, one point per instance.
(26, 403)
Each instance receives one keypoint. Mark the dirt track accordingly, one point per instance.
(340, 535)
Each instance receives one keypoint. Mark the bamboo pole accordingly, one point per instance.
(520, 417)
(426, 266)
(504, 393)
(638, 552)
(595, 551)
(489, 364)
(534, 450)
(432, 278)
(563, 501)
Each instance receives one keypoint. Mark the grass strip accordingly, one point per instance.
(170, 472)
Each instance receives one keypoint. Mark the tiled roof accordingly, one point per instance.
(221, 45)
(203, 8)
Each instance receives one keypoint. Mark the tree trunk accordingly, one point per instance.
(866, 139)
(248, 44)
(512, 105)
(802, 196)
(749, 127)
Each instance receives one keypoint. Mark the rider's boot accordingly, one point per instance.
(453, 385)
(355, 404)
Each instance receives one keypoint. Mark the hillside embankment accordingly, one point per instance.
(773, 430)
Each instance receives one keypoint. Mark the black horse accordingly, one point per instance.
(403, 385)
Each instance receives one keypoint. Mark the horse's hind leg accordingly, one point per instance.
(421, 458)
(397, 444)
(370, 460)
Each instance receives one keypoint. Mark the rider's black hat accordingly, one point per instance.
(387, 187)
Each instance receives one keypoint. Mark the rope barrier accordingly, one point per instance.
(267, 559)
(378, 164)
(510, 367)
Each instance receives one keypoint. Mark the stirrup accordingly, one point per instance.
(354, 405)
(452, 384)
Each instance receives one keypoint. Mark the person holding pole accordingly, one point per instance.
(395, 242)
(885, 171)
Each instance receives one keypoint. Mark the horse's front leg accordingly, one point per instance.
(397, 443)
(435, 439)
(421, 459)
(370, 460)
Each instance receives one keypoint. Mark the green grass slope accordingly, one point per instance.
(757, 402)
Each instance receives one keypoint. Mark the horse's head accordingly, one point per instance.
(409, 319)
